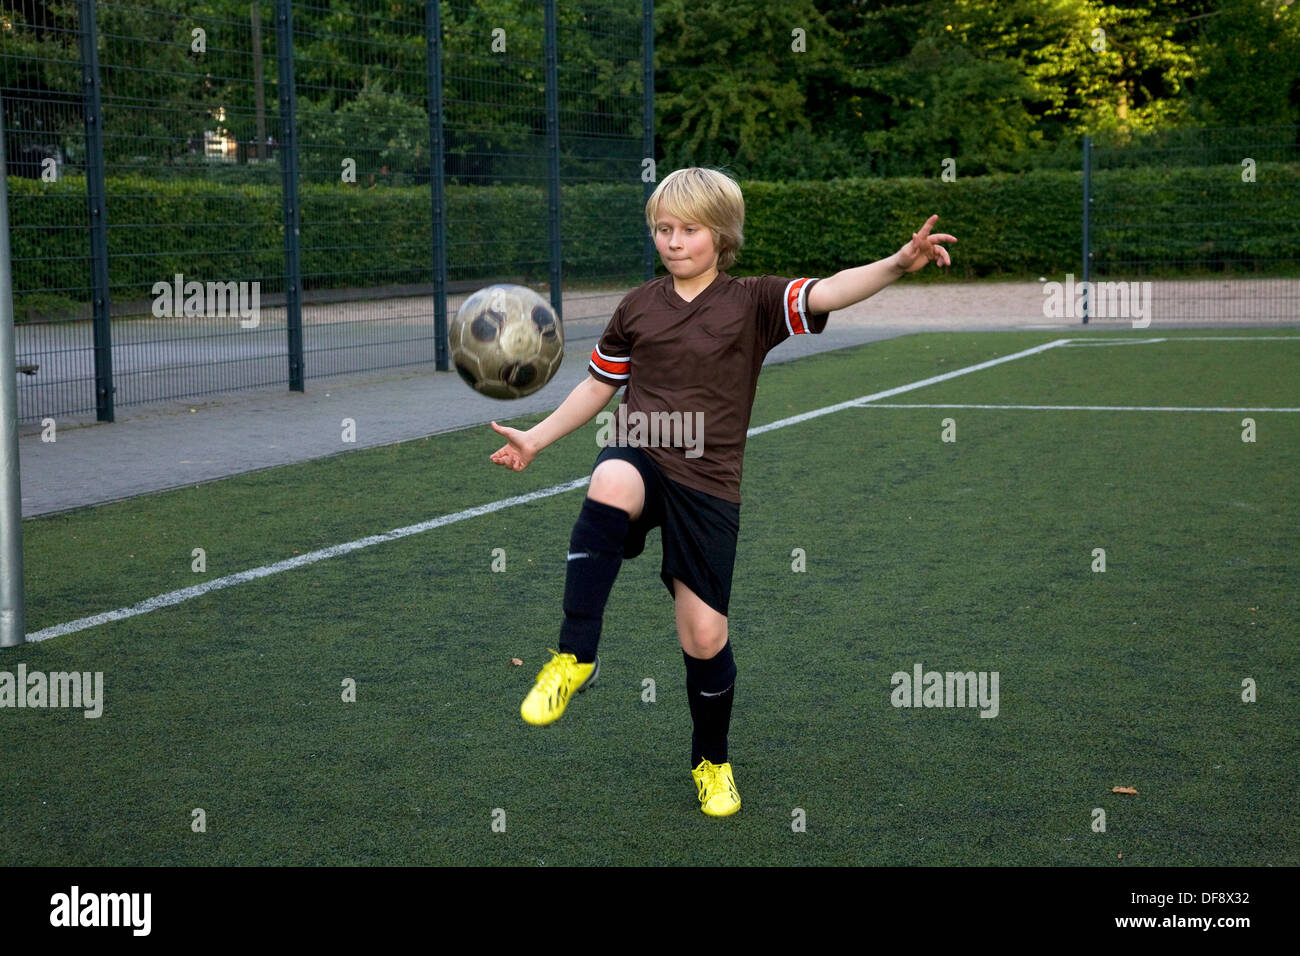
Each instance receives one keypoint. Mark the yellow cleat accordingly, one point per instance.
(718, 794)
(560, 679)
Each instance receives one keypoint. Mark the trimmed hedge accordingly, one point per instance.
(1006, 225)
(1009, 225)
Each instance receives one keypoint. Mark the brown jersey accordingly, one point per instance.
(691, 370)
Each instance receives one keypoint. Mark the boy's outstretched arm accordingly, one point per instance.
(853, 285)
(521, 447)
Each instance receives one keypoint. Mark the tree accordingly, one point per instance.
(730, 75)
(1249, 56)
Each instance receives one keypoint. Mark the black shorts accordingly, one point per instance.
(699, 530)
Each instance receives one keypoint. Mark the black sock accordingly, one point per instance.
(595, 554)
(710, 688)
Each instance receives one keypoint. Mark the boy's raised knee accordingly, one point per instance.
(702, 635)
(704, 646)
(618, 483)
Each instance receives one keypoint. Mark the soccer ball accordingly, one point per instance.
(506, 342)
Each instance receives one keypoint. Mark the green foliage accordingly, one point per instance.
(1013, 225)
(382, 131)
(701, 94)
(40, 77)
(1249, 64)
(893, 88)
(206, 229)
(1007, 225)
(1156, 222)
(770, 89)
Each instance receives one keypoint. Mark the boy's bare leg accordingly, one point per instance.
(618, 483)
(701, 630)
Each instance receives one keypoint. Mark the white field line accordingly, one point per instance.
(1082, 343)
(298, 561)
(311, 557)
(1236, 338)
(891, 392)
(1094, 408)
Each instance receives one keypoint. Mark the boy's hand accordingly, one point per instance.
(518, 453)
(924, 248)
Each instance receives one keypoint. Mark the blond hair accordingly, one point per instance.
(708, 197)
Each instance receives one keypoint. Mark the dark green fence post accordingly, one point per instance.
(553, 156)
(437, 188)
(648, 122)
(289, 191)
(96, 196)
(1087, 224)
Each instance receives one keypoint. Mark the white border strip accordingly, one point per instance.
(311, 557)
(1096, 408)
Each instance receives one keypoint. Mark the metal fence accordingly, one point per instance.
(1209, 217)
(279, 191)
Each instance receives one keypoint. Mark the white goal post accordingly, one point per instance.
(12, 617)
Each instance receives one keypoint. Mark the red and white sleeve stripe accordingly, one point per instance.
(610, 366)
(796, 306)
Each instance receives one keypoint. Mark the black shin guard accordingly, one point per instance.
(595, 554)
(710, 689)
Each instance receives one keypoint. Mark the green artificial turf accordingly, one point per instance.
(973, 555)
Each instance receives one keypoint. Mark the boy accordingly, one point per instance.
(690, 345)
